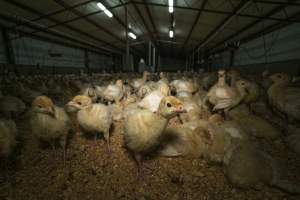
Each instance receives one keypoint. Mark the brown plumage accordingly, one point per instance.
(253, 124)
(144, 129)
(293, 142)
(95, 118)
(49, 122)
(137, 83)
(8, 133)
(247, 166)
(208, 139)
(11, 106)
(283, 98)
(114, 92)
(224, 97)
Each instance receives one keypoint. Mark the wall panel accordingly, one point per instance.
(29, 51)
(2, 49)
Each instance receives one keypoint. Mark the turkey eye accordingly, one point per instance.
(243, 83)
(79, 103)
(169, 105)
(39, 106)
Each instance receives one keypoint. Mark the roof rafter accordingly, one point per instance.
(194, 23)
(78, 13)
(156, 35)
(278, 3)
(44, 16)
(252, 24)
(260, 33)
(17, 20)
(242, 5)
(269, 29)
(27, 8)
(216, 11)
(116, 17)
(145, 23)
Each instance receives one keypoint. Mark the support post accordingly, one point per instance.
(127, 39)
(149, 54)
(193, 60)
(154, 59)
(9, 50)
(232, 57)
(86, 60)
(159, 63)
(8, 47)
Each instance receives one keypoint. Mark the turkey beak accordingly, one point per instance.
(71, 104)
(50, 111)
(271, 78)
(246, 90)
(180, 109)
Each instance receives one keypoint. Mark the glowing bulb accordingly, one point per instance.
(171, 33)
(171, 6)
(104, 9)
(132, 35)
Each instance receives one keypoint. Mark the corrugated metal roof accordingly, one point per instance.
(86, 22)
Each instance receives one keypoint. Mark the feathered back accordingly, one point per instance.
(42, 101)
(8, 133)
(82, 100)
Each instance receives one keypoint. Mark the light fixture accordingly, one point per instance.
(132, 35)
(171, 33)
(171, 6)
(103, 8)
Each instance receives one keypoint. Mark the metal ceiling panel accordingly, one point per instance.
(145, 29)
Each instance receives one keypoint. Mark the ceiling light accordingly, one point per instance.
(171, 6)
(171, 33)
(132, 35)
(103, 8)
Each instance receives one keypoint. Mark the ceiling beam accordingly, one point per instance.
(214, 11)
(61, 23)
(64, 43)
(44, 16)
(146, 25)
(278, 3)
(115, 16)
(143, 20)
(156, 35)
(78, 13)
(216, 31)
(194, 24)
(252, 24)
(269, 29)
(92, 22)
(16, 20)
(150, 16)
(124, 25)
(29, 9)
(260, 33)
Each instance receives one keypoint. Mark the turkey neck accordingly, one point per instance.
(88, 108)
(233, 79)
(278, 87)
(241, 94)
(145, 77)
(221, 81)
(282, 84)
(163, 118)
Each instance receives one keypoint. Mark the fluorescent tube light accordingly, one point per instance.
(171, 33)
(171, 6)
(103, 8)
(132, 35)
